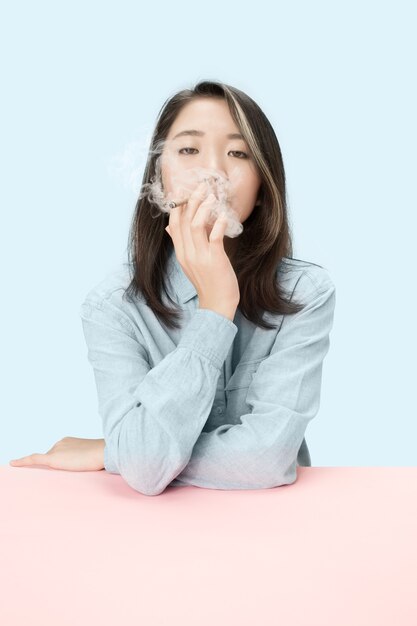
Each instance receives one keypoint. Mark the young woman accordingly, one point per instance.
(217, 391)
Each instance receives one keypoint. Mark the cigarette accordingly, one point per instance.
(175, 203)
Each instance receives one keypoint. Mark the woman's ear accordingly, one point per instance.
(258, 199)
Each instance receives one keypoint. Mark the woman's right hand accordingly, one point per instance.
(202, 257)
(70, 453)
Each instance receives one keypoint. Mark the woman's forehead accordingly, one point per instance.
(204, 116)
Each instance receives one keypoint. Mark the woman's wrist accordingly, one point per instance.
(225, 310)
(100, 443)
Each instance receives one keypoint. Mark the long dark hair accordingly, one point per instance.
(256, 266)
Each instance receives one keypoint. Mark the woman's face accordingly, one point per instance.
(210, 148)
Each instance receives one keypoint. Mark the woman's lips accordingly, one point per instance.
(217, 185)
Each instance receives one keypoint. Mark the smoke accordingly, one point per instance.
(183, 181)
(128, 165)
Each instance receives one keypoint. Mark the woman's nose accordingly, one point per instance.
(214, 175)
(214, 165)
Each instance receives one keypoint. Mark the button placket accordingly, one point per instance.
(243, 375)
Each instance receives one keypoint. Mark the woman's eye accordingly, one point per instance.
(181, 151)
(244, 155)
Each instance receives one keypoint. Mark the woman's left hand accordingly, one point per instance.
(70, 453)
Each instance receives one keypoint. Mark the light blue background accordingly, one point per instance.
(82, 84)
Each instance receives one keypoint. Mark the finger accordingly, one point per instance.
(196, 198)
(199, 195)
(218, 230)
(200, 221)
(31, 459)
(174, 230)
(175, 226)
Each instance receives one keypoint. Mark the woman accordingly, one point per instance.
(218, 391)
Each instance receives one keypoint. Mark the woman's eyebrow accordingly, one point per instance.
(199, 133)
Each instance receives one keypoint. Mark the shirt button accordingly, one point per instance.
(219, 409)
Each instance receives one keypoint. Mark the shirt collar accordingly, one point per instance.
(183, 288)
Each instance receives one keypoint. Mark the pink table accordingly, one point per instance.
(336, 548)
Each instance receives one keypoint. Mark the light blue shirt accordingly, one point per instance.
(216, 404)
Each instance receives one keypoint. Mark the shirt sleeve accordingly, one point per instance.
(284, 395)
(152, 417)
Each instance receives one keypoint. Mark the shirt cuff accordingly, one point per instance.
(109, 466)
(209, 333)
